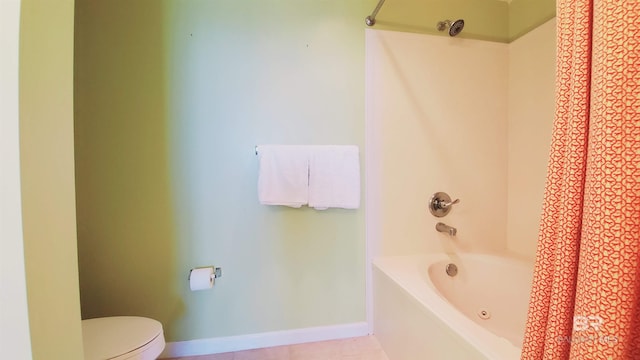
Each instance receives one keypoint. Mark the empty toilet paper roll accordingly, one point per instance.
(201, 278)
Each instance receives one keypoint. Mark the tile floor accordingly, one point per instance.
(359, 348)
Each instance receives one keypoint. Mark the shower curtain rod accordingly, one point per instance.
(371, 19)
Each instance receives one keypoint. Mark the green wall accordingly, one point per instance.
(47, 178)
(170, 99)
(484, 19)
(126, 231)
(526, 15)
(492, 20)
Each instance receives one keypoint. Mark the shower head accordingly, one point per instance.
(454, 27)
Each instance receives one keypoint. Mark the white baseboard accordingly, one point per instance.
(268, 339)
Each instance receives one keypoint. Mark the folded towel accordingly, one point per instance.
(334, 177)
(283, 175)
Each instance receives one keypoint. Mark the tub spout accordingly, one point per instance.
(442, 227)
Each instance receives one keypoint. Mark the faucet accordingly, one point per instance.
(442, 227)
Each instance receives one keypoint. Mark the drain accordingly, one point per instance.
(484, 314)
(451, 269)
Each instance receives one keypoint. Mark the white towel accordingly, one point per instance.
(283, 175)
(334, 177)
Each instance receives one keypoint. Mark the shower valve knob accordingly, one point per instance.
(440, 204)
(443, 205)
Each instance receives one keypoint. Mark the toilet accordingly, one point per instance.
(122, 338)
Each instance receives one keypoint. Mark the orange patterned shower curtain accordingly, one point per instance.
(585, 297)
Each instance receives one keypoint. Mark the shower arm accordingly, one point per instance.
(371, 19)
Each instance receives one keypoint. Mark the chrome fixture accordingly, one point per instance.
(371, 19)
(455, 27)
(440, 204)
(451, 269)
(442, 227)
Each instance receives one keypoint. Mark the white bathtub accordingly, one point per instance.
(422, 313)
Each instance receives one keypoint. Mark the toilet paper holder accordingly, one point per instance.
(217, 272)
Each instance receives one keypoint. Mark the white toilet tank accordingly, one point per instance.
(122, 338)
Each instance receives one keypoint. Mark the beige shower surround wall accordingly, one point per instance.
(471, 118)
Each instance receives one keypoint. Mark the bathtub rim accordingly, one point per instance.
(403, 270)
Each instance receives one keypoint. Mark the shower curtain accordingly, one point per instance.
(585, 297)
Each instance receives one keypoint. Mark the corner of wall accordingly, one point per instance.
(526, 15)
(47, 176)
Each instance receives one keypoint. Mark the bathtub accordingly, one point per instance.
(422, 313)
